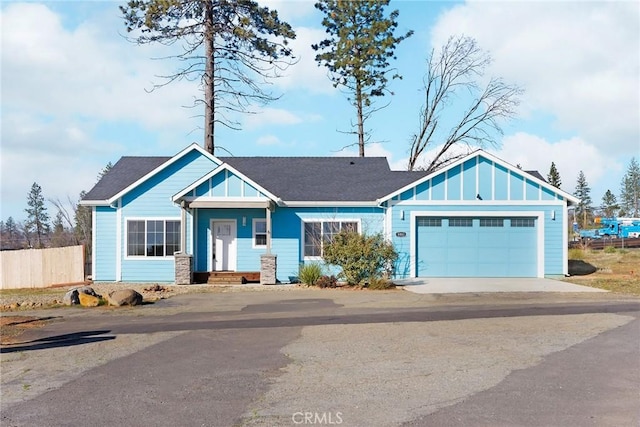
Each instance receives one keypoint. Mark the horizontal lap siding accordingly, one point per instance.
(105, 250)
(152, 199)
(287, 225)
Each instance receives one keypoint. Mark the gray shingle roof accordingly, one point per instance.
(295, 179)
(124, 173)
(341, 179)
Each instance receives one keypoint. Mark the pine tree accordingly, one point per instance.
(361, 42)
(232, 46)
(11, 238)
(37, 216)
(584, 207)
(630, 190)
(609, 205)
(553, 177)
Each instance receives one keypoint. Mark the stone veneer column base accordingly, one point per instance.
(268, 269)
(184, 268)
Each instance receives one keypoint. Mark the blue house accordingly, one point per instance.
(477, 217)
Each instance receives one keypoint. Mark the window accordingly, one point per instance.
(429, 222)
(460, 222)
(315, 233)
(523, 222)
(491, 222)
(153, 238)
(259, 232)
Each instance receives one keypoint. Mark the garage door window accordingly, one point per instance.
(491, 222)
(429, 222)
(460, 222)
(523, 222)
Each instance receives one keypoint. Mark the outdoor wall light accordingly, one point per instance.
(553, 215)
(244, 221)
(402, 215)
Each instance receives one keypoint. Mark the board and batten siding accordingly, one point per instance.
(480, 185)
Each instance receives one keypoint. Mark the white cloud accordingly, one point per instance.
(306, 73)
(288, 9)
(580, 61)
(570, 156)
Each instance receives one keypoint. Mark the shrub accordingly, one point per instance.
(310, 273)
(610, 250)
(327, 282)
(576, 253)
(380, 283)
(360, 256)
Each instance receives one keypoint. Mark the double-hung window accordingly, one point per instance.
(318, 232)
(153, 237)
(259, 233)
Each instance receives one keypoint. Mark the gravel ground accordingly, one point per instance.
(386, 374)
(26, 299)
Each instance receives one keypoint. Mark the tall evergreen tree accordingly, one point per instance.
(553, 177)
(37, 217)
(232, 46)
(357, 52)
(11, 236)
(584, 208)
(630, 190)
(610, 205)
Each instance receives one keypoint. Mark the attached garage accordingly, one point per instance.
(477, 245)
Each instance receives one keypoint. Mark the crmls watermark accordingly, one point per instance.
(309, 418)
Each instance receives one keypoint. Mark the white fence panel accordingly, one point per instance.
(40, 268)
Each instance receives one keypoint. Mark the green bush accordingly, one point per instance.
(327, 282)
(361, 257)
(310, 273)
(610, 250)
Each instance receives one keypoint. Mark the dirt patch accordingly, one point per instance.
(615, 270)
(13, 327)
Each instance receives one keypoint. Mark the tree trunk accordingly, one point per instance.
(208, 79)
(360, 119)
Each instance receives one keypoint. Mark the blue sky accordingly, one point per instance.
(73, 92)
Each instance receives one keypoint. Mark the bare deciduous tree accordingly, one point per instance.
(455, 71)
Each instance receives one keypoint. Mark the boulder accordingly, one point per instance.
(87, 290)
(88, 300)
(71, 297)
(124, 297)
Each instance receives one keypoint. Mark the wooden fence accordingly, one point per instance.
(40, 268)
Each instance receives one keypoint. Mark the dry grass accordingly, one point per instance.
(616, 270)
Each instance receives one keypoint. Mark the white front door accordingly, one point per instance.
(223, 248)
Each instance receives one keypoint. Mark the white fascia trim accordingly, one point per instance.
(94, 203)
(480, 203)
(540, 231)
(305, 204)
(494, 159)
(119, 241)
(94, 231)
(166, 164)
(225, 199)
(565, 240)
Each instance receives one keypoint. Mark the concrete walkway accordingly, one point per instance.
(437, 285)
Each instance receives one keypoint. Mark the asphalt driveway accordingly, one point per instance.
(442, 285)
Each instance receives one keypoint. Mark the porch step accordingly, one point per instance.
(226, 277)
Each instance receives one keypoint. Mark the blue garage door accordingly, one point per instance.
(476, 247)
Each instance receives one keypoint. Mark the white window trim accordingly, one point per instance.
(253, 233)
(322, 220)
(145, 257)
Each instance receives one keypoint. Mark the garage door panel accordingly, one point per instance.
(488, 248)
